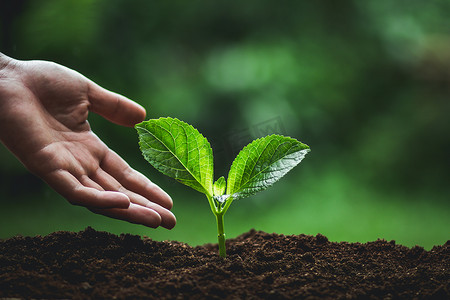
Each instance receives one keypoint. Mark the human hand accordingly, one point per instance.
(43, 121)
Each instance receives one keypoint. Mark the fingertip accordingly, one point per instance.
(152, 221)
(143, 215)
(143, 112)
(169, 223)
(139, 113)
(115, 107)
(158, 195)
(168, 219)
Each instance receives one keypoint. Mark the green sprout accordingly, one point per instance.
(178, 150)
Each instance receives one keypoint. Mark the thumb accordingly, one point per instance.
(114, 107)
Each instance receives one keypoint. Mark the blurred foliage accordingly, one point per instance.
(364, 83)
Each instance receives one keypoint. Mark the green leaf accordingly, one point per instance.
(262, 163)
(178, 150)
(219, 186)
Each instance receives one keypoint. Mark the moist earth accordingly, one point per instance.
(98, 265)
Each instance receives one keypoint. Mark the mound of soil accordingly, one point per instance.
(93, 264)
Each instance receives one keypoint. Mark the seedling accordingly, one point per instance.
(178, 150)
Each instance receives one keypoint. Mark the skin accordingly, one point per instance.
(43, 122)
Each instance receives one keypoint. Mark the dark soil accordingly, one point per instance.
(92, 264)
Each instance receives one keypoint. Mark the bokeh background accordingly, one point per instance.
(365, 83)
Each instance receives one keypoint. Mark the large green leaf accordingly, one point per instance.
(262, 163)
(178, 150)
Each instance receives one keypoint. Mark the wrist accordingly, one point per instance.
(4, 61)
(8, 78)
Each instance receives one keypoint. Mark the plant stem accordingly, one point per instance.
(221, 235)
(212, 204)
(219, 212)
(227, 204)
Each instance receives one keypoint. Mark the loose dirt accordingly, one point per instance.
(99, 265)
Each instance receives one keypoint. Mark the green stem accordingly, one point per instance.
(221, 235)
(214, 208)
(219, 213)
(227, 204)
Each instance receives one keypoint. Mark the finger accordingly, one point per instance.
(114, 107)
(135, 181)
(134, 214)
(105, 180)
(88, 182)
(168, 219)
(70, 188)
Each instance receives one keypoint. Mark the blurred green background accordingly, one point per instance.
(365, 83)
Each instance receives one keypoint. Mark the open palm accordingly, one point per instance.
(43, 120)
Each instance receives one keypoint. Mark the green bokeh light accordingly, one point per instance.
(365, 84)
